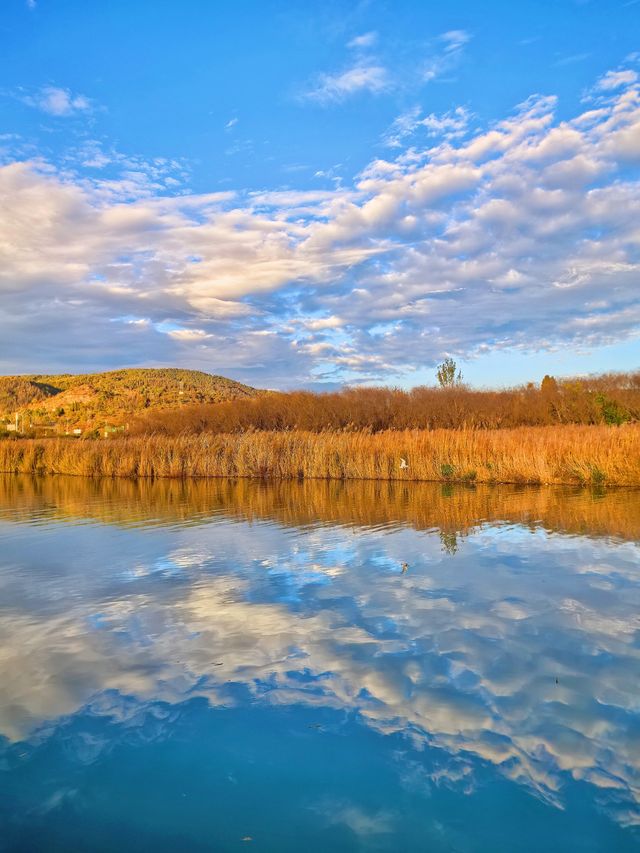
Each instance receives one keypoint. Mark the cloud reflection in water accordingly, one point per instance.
(517, 650)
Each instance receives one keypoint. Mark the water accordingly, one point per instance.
(233, 666)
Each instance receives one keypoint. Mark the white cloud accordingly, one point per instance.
(445, 55)
(449, 125)
(369, 74)
(454, 40)
(616, 79)
(571, 59)
(506, 238)
(188, 334)
(322, 323)
(58, 102)
(334, 88)
(363, 41)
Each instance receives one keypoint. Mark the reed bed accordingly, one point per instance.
(534, 455)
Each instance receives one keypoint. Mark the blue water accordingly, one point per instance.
(239, 667)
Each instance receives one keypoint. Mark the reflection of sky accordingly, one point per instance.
(519, 652)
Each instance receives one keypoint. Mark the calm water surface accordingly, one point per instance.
(236, 666)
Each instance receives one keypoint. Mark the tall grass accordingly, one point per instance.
(567, 454)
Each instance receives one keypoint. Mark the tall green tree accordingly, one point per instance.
(448, 373)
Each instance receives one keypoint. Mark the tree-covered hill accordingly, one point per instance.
(89, 401)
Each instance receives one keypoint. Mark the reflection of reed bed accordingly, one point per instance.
(451, 509)
(567, 454)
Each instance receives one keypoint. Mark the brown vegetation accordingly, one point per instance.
(610, 399)
(568, 454)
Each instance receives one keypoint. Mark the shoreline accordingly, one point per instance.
(565, 455)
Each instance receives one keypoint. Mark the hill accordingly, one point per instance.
(97, 401)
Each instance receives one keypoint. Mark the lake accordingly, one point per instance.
(318, 666)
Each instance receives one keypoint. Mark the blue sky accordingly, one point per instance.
(310, 194)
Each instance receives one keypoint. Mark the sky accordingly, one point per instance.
(298, 194)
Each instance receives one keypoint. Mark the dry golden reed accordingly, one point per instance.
(535, 455)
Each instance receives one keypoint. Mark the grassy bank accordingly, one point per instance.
(567, 454)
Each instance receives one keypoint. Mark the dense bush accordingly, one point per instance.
(608, 399)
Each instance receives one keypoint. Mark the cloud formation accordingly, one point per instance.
(363, 41)
(58, 102)
(455, 40)
(361, 77)
(523, 235)
(616, 79)
(450, 125)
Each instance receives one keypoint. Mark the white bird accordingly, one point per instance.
(403, 463)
